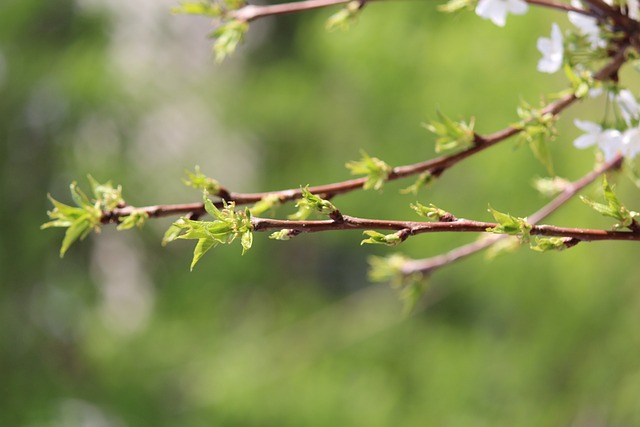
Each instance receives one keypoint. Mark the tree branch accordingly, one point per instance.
(412, 228)
(251, 12)
(434, 166)
(428, 265)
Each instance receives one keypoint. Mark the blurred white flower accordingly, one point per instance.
(588, 26)
(633, 9)
(608, 140)
(552, 51)
(497, 10)
(628, 105)
(631, 142)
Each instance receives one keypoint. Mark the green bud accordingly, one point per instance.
(376, 171)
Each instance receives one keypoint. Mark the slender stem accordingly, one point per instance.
(559, 6)
(435, 166)
(428, 265)
(251, 12)
(410, 228)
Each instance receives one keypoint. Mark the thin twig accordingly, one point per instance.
(428, 265)
(435, 166)
(412, 228)
(559, 6)
(251, 12)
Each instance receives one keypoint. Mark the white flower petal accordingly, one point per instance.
(631, 142)
(497, 10)
(610, 142)
(552, 51)
(633, 9)
(587, 126)
(585, 141)
(595, 92)
(629, 107)
(517, 7)
(587, 25)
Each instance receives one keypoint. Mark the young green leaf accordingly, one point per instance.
(227, 225)
(201, 248)
(376, 171)
(79, 221)
(172, 232)
(453, 6)
(345, 17)
(137, 218)
(581, 81)
(510, 225)
(613, 209)
(630, 169)
(550, 187)
(309, 203)
(268, 203)
(228, 36)
(202, 182)
(411, 287)
(376, 238)
(501, 246)
(286, 234)
(203, 8)
(412, 292)
(387, 269)
(544, 244)
(432, 212)
(424, 180)
(108, 196)
(451, 135)
(536, 130)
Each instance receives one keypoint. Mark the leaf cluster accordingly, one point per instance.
(345, 17)
(451, 135)
(424, 180)
(376, 171)
(582, 81)
(537, 128)
(510, 225)
(229, 33)
(227, 226)
(613, 208)
(309, 203)
(227, 37)
(453, 6)
(376, 238)
(411, 287)
(86, 215)
(202, 182)
(431, 212)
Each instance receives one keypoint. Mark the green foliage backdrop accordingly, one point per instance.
(120, 333)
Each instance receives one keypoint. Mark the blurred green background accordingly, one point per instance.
(120, 333)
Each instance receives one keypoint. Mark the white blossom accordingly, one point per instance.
(587, 26)
(633, 9)
(628, 105)
(609, 141)
(552, 51)
(631, 142)
(497, 10)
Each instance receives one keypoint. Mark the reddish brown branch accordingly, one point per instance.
(559, 6)
(435, 166)
(428, 265)
(251, 12)
(412, 228)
